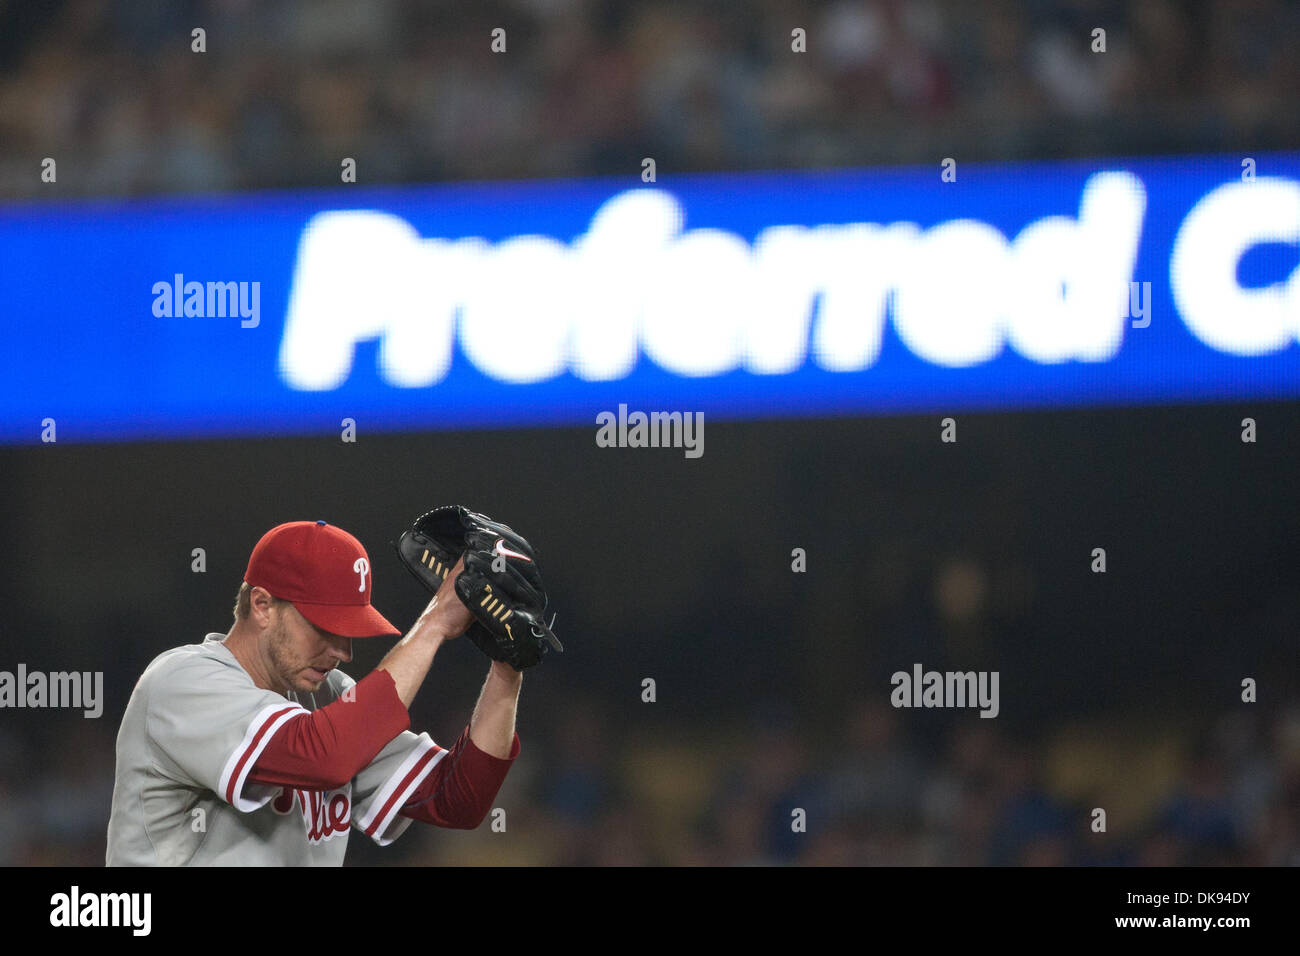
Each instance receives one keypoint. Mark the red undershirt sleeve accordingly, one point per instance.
(459, 791)
(325, 749)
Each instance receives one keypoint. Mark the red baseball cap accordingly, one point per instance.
(324, 572)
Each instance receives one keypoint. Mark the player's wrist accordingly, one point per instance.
(503, 671)
(434, 633)
(441, 622)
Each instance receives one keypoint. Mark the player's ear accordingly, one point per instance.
(260, 604)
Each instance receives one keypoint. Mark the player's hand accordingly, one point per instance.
(446, 614)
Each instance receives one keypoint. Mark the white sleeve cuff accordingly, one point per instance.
(234, 787)
(382, 821)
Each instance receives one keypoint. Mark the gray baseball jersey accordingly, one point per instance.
(193, 730)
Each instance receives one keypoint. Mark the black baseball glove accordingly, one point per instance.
(501, 584)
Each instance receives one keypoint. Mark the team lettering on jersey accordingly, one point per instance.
(325, 815)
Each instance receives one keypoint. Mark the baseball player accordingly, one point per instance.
(253, 748)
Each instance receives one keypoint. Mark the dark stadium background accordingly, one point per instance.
(1118, 690)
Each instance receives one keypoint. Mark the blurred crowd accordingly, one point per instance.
(586, 795)
(414, 92)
